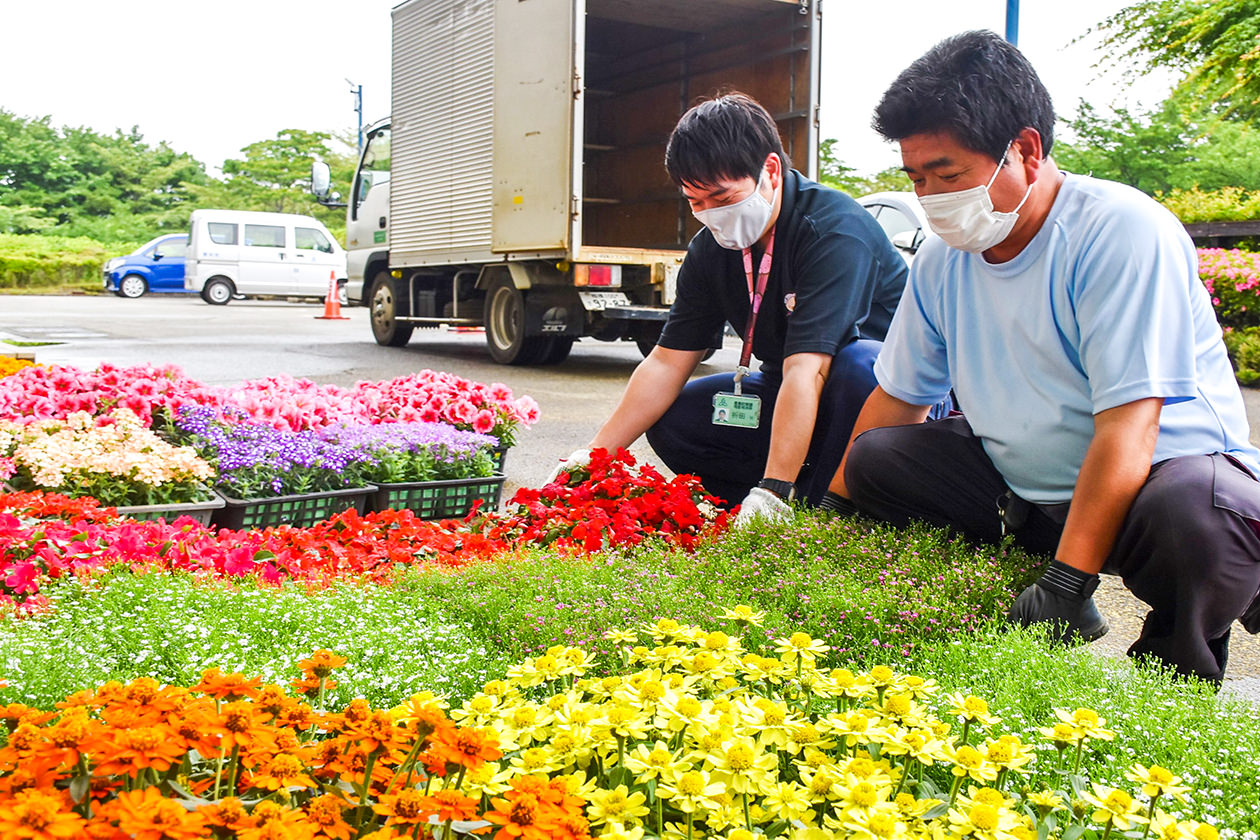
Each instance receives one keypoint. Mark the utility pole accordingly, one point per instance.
(357, 90)
(1012, 21)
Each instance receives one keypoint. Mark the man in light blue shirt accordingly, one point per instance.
(1102, 422)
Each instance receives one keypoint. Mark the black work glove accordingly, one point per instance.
(836, 503)
(1062, 598)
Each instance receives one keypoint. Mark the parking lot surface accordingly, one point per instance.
(222, 345)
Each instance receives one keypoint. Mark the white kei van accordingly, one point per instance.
(235, 253)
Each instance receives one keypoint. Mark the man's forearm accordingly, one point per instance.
(880, 409)
(652, 389)
(1116, 465)
(795, 414)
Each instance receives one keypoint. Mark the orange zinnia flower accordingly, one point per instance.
(242, 728)
(282, 772)
(129, 751)
(148, 815)
(325, 812)
(275, 822)
(228, 812)
(451, 805)
(309, 685)
(408, 806)
(466, 747)
(38, 815)
(520, 815)
(220, 685)
(322, 663)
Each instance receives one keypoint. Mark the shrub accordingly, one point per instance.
(1232, 278)
(1244, 351)
(38, 261)
(1229, 204)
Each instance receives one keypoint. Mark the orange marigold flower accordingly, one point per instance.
(148, 815)
(466, 746)
(220, 685)
(38, 815)
(451, 805)
(322, 663)
(325, 812)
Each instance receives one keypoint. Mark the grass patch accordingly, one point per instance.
(17, 343)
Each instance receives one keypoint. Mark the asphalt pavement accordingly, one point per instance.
(222, 345)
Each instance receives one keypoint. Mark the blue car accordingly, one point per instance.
(156, 266)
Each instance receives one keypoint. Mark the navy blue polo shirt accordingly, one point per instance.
(829, 252)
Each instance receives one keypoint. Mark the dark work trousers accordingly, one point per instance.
(1189, 546)
(730, 460)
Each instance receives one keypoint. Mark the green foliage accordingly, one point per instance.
(275, 176)
(835, 174)
(1228, 204)
(82, 183)
(37, 261)
(1213, 41)
(1244, 351)
(1176, 146)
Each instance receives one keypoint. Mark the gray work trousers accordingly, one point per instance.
(1189, 546)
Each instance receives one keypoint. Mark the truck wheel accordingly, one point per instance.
(389, 297)
(558, 351)
(217, 291)
(132, 286)
(505, 328)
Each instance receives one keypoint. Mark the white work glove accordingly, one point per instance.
(761, 503)
(577, 458)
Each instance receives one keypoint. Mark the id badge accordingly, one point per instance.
(741, 410)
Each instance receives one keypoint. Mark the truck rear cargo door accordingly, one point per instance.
(534, 114)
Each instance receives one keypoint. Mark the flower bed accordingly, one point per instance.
(113, 459)
(1232, 278)
(10, 365)
(74, 538)
(697, 736)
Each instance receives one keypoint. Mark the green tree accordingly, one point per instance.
(1216, 43)
(835, 174)
(275, 175)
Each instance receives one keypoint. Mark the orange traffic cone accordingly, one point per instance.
(332, 303)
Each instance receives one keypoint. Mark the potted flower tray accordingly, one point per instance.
(200, 511)
(448, 499)
(300, 510)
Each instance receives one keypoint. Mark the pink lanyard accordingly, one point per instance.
(754, 298)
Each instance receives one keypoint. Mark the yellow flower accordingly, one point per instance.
(1009, 753)
(880, 822)
(1045, 801)
(664, 630)
(911, 807)
(788, 801)
(971, 708)
(1086, 722)
(742, 765)
(690, 791)
(920, 743)
(1112, 805)
(744, 614)
(624, 637)
(1199, 830)
(1157, 781)
(1062, 735)
(616, 831)
(968, 761)
(862, 796)
(800, 646)
(918, 687)
(616, 806)
(649, 762)
(982, 820)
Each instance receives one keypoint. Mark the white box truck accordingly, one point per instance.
(520, 181)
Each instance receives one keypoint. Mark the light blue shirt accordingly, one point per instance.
(1103, 307)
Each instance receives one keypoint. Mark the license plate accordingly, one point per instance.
(598, 301)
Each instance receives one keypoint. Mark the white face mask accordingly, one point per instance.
(737, 226)
(966, 219)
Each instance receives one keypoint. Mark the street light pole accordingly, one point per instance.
(1012, 21)
(357, 90)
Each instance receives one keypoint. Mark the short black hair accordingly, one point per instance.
(728, 137)
(977, 87)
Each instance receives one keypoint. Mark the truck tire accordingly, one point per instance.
(558, 351)
(218, 291)
(505, 328)
(389, 297)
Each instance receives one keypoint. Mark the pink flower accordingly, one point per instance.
(462, 411)
(527, 409)
(484, 421)
(22, 578)
(7, 468)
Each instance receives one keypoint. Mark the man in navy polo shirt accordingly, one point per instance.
(806, 277)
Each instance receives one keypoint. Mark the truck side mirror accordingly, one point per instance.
(321, 179)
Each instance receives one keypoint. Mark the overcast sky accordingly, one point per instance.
(210, 78)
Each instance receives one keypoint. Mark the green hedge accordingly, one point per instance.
(36, 261)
